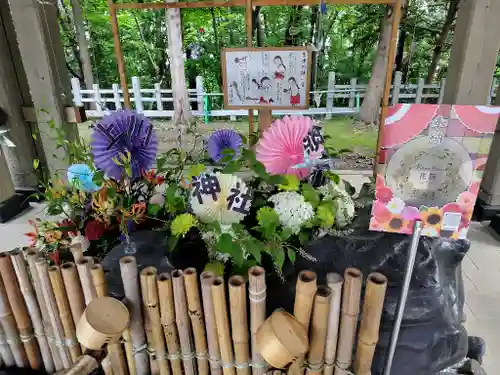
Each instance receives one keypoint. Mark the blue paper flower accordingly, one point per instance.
(124, 134)
(80, 176)
(221, 140)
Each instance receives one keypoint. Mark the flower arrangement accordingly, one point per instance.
(244, 211)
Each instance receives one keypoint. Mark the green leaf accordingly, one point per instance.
(111, 193)
(160, 162)
(98, 178)
(325, 215)
(153, 209)
(292, 183)
(253, 246)
(286, 233)
(268, 221)
(277, 179)
(36, 163)
(278, 256)
(351, 190)
(232, 167)
(195, 170)
(172, 243)
(332, 177)
(291, 255)
(226, 245)
(310, 194)
(216, 267)
(260, 170)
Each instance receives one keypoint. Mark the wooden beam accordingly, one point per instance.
(241, 3)
(73, 115)
(248, 19)
(119, 54)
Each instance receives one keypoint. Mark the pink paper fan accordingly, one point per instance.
(281, 147)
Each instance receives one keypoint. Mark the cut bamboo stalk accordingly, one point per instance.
(74, 290)
(302, 309)
(376, 286)
(207, 279)
(83, 267)
(257, 297)
(182, 321)
(64, 312)
(129, 352)
(150, 298)
(31, 257)
(167, 311)
(319, 326)
(20, 312)
(239, 324)
(9, 326)
(196, 316)
(32, 305)
(86, 364)
(106, 366)
(115, 352)
(98, 280)
(153, 363)
(351, 294)
(49, 299)
(335, 282)
(222, 323)
(129, 273)
(5, 351)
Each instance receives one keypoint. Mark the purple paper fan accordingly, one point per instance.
(221, 140)
(123, 132)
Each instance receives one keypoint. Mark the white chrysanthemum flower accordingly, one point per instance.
(292, 209)
(345, 205)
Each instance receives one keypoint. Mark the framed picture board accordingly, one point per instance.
(431, 163)
(273, 78)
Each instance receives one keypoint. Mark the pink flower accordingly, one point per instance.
(380, 212)
(383, 194)
(410, 213)
(380, 182)
(466, 201)
(452, 207)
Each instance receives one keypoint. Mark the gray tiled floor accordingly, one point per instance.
(481, 269)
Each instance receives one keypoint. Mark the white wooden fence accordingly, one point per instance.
(155, 102)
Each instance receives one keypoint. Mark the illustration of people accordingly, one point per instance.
(279, 73)
(241, 61)
(263, 85)
(260, 100)
(234, 86)
(294, 91)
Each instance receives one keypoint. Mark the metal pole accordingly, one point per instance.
(412, 253)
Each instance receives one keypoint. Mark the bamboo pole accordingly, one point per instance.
(182, 320)
(129, 352)
(128, 268)
(150, 298)
(196, 316)
(167, 311)
(5, 351)
(64, 312)
(319, 326)
(239, 325)
(83, 267)
(115, 353)
(376, 286)
(31, 257)
(153, 363)
(32, 305)
(335, 282)
(257, 297)
(74, 290)
(106, 366)
(208, 309)
(49, 299)
(222, 323)
(351, 294)
(20, 312)
(9, 326)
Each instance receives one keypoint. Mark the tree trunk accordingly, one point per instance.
(402, 39)
(441, 39)
(371, 102)
(83, 44)
(216, 34)
(182, 110)
(257, 27)
(294, 15)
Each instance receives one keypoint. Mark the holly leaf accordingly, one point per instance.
(291, 255)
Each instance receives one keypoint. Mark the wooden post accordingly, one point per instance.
(388, 77)
(420, 91)
(42, 52)
(396, 88)
(330, 95)
(159, 103)
(76, 90)
(119, 53)
(352, 93)
(136, 88)
(117, 96)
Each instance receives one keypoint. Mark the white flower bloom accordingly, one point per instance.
(396, 205)
(158, 199)
(292, 209)
(345, 211)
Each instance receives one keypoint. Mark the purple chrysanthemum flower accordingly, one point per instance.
(120, 133)
(221, 140)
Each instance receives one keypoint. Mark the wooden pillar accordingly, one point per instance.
(37, 31)
(20, 158)
(473, 53)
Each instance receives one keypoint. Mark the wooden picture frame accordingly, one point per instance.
(266, 49)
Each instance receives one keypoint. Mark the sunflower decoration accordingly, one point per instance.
(432, 217)
(395, 224)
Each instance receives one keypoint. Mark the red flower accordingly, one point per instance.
(94, 230)
(383, 194)
(69, 227)
(153, 178)
(55, 257)
(202, 30)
